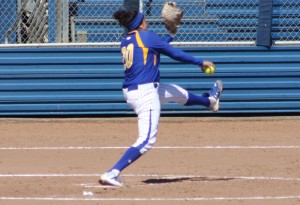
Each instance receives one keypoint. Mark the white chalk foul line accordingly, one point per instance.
(150, 199)
(168, 176)
(161, 147)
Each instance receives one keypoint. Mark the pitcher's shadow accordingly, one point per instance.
(182, 179)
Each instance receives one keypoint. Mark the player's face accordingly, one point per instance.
(143, 25)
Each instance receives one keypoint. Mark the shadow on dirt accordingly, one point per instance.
(182, 179)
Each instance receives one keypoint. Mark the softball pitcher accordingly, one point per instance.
(142, 89)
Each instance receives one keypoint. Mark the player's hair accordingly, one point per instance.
(125, 16)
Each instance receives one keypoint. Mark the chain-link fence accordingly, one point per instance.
(90, 21)
(286, 20)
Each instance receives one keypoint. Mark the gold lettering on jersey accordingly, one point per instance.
(127, 56)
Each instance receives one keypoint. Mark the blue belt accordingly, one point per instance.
(136, 86)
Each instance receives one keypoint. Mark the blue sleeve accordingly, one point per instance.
(156, 43)
(168, 38)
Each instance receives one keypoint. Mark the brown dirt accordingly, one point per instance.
(196, 175)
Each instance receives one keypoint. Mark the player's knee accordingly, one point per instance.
(148, 145)
(151, 142)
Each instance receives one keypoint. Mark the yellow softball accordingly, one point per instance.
(209, 70)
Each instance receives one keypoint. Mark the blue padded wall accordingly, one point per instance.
(87, 81)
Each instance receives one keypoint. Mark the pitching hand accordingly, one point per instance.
(206, 64)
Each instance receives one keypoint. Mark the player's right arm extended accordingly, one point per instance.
(163, 47)
(180, 55)
(168, 38)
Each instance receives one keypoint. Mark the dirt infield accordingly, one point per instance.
(209, 160)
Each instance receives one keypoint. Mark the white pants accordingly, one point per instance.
(146, 101)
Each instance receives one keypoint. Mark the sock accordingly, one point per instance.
(129, 157)
(197, 100)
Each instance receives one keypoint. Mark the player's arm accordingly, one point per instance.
(155, 42)
(180, 55)
(168, 38)
(163, 47)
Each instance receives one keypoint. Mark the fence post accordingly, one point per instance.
(264, 29)
(52, 21)
(132, 4)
